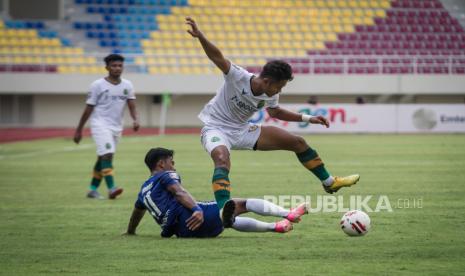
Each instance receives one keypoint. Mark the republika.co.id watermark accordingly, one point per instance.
(331, 203)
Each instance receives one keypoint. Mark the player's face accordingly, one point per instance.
(115, 68)
(273, 87)
(169, 164)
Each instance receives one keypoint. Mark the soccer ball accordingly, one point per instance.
(355, 223)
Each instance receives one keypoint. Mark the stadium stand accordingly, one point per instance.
(315, 36)
(27, 46)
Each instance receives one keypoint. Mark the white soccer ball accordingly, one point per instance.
(355, 223)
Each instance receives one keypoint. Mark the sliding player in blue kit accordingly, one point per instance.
(177, 212)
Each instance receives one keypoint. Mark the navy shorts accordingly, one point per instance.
(211, 227)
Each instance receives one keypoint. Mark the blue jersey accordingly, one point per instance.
(159, 202)
(169, 213)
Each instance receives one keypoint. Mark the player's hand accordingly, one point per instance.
(195, 221)
(77, 137)
(135, 125)
(320, 120)
(195, 32)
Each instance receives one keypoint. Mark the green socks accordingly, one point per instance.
(96, 177)
(221, 186)
(310, 159)
(107, 172)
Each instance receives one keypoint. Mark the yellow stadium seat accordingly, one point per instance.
(308, 44)
(357, 20)
(84, 70)
(363, 4)
(347, 13)
(319, 45)
(331, 37)
(385, 4)
(320, 4)
(327, 28)
(368, 21)
(63, 69)
(315, 28)
(153, 70)
(380, 13)
(320, 36)
(369, 13)
(342, 4)
(349, 28)
(374, 4)
(358, 13)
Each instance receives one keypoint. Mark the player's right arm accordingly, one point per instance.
(213, 53)
(85, 116)
(137, 215)
(186, 200)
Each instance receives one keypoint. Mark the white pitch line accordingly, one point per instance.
(68, 148)
(45, 152)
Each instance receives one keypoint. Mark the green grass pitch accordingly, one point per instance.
(47, 226)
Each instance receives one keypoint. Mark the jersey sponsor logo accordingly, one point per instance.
(242, 105)
(215, 139)
(174, 175)
(253, 128)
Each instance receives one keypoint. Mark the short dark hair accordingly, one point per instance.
(277, 70)
(113, 57)
(156, 154)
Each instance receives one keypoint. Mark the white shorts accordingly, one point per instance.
(237, 139)
(105, 139)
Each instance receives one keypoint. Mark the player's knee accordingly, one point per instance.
(300, 144)
(221, 158)
(240, 206)
(108, 156)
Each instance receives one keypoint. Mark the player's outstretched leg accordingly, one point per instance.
(273, 138)
(266, 208)
(245, 224)
(95, 182)
(310, 160)
(220, 180)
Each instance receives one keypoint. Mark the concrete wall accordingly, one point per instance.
(65, 110)
(58, 100)
(207, 84)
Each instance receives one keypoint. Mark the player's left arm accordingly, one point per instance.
(188, 201)
(286, 115)
(134, 115)
(136, 217)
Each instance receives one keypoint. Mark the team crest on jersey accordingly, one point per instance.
(253, 128)
(108, 145)
(125, 92)
(261, 104)
(215, 139)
